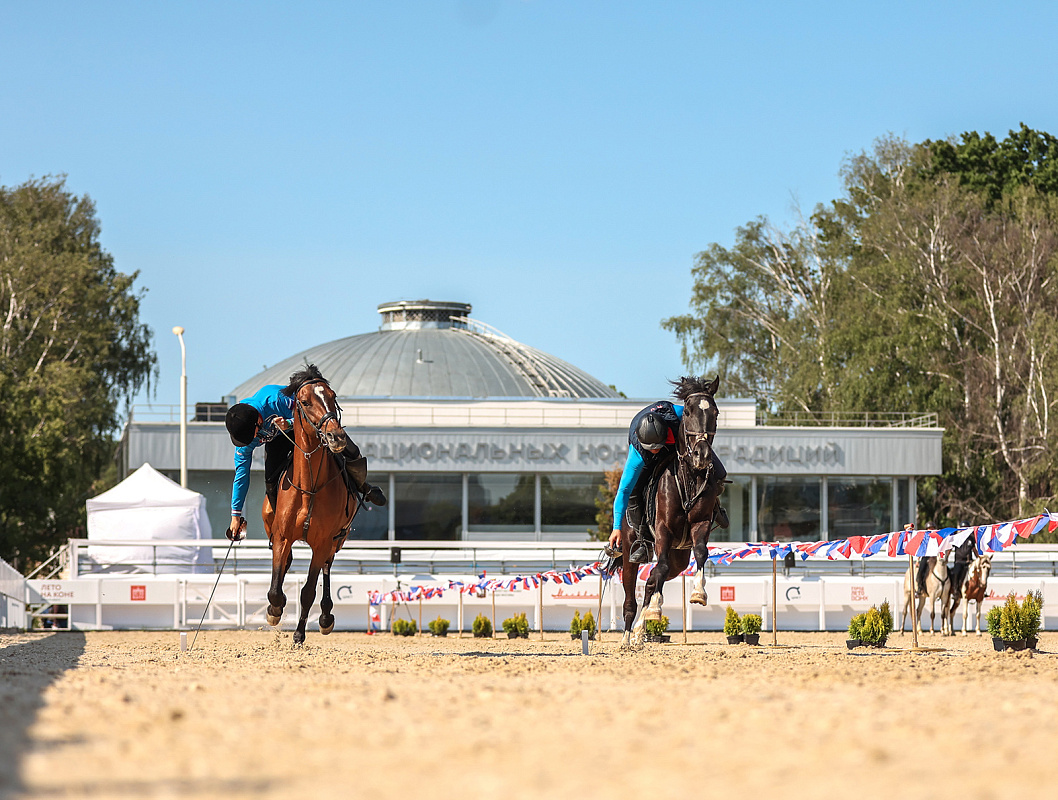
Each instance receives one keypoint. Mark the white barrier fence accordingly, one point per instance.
(816, 595)
(12, 597)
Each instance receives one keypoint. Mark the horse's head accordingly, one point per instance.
(318, 406)
(700, 414)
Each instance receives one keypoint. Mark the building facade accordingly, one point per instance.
(479, 437)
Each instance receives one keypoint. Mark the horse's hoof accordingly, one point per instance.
(651, 613)
(700, 598)
(299, 638)
(273, 619)
(326, 624)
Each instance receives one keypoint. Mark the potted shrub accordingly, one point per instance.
(481, 627)
(876, 626)
(1031, 612)
(992, 618)
(751, 625)
(575, 625)
(855, 631)
(439, 627)
(516, 627)
(732, 626)
(587, 623)
(655, 630)
(404, 627)
(1010, 624)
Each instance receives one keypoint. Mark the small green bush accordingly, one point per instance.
(404, 627)
(887, 616)
(732, 624)
(510, 625)
(656, 627)
(575, 624)
(751, 624)
(587, 623)
(439, 627)
(523, 625)
(481, 628)
(1031, 611)
(856, 627)
(873, 629)
(1010, 620)
(992, 618)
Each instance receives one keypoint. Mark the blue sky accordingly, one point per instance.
(274, 171)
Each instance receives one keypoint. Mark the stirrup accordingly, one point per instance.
(640, 553)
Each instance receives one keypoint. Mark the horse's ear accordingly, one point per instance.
(712, 387)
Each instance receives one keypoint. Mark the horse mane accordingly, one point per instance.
(686, 386)
(310, 373)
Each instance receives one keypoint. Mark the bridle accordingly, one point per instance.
(693, 438)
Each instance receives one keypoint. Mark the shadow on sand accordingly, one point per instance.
(27, 669)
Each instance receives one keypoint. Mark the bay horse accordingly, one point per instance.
(974, 588)
(313, 503)
(687, 494)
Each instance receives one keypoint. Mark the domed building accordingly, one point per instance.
(475, 436)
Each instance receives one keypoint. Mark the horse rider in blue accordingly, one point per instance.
(266, 418)
(651, 437)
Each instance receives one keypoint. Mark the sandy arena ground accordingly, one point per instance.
(125, 714)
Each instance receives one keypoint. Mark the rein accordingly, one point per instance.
(317, 427)
(691, 475)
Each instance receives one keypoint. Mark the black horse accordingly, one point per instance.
(686, 504)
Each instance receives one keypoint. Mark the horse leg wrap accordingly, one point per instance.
(653, 610)
(698, 594)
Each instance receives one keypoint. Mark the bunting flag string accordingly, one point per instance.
(992, 538)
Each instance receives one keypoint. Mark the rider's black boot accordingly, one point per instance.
(640, 552)
(373, 494)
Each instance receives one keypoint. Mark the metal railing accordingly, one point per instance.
(850, 419)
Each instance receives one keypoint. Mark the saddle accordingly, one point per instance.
(666, 464)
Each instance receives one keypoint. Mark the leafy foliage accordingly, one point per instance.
(72, 353)
(856, 626)
(575, 624)
(404, 627)
(752, 623)
(604, 498)
(518, 624)
(656, 627)
(927, 286)
(732, 623)
(481, 627)
(992, 618)
(439, 627)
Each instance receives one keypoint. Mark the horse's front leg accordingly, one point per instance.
(701, 556)
(308, 597)
(653, 596)
(629, 577)
(282, 555)
(326, 604)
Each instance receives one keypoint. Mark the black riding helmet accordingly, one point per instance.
(241, 422)
(651, 431)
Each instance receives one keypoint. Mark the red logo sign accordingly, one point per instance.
(858, 593)
(727, 594)
(138, 592)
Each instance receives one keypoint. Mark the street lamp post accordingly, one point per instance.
(179, 331)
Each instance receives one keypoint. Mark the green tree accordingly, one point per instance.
(928, 286)
(72, 353)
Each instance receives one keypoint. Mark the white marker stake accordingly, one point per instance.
(183, 641)
(584, 642)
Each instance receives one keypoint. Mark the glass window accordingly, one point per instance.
(735, 500)
(428, 506)
(788, 509)
(567, 502)
(372, 522)
(904, 512)
(501, 503)
(859, 506)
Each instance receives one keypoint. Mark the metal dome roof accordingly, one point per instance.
(432, 349)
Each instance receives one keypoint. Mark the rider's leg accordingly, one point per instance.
(277, 451)
(640, 552)
(356, 467)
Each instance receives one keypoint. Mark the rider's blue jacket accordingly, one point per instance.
(639, 458)
(270, 403)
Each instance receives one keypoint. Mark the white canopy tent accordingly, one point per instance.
(148, 505)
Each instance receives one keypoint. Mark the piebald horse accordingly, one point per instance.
(974, 588)
(687, 496)
(313, 504)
